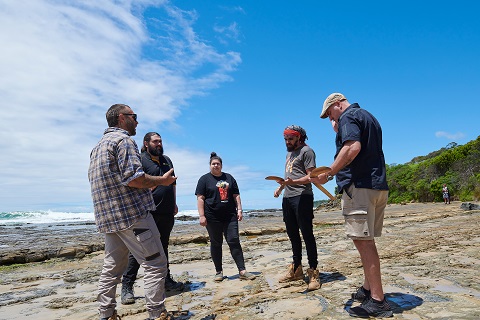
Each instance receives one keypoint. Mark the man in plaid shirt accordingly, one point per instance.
(122, 203)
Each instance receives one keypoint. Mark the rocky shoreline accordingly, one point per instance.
(36, 243)
(429, 255)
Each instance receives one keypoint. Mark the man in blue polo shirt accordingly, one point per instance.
(360, 171)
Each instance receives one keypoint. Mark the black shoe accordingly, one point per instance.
(164, 316)
(171, 284)
(114, 316)
(127, 295)
(361, 294)
(372, 308)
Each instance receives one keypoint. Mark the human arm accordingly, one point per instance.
(148, 181)
(303, 180)
(347, 154)
(278, 191)
(175, 210)
(201, 209)
(238, 205)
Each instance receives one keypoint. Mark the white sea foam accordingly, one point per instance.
(44, 216)
(49, 216)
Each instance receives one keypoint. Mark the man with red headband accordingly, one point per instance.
(297, 205)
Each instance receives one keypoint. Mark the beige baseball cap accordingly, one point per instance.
(331, 99)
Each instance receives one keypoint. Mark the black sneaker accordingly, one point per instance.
(171, 284)
(372, 308)
(114, 316)
(361, 294)
(127, 295)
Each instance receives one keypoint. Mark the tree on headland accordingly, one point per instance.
(421, 179)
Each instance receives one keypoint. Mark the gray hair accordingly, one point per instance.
(113, 112)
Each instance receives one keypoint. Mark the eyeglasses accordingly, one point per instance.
(134, 115)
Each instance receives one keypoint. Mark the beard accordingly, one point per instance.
(292, 147)
(155, 151)
(131, 127)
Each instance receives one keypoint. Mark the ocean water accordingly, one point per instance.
(18, 218)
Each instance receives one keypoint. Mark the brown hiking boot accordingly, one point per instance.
(292, 276)
(314, 282)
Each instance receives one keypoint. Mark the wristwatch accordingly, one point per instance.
(329, 177)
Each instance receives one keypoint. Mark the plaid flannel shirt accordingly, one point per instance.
(114, 162)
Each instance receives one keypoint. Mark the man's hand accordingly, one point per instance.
(168, 178)
(321, 179)
(148, 181)
(203, 221)
(278, 192)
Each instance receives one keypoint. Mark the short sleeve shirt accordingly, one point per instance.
(368, 169)
(218, 192)
(114, 162)
(296, 165)
(164, 196)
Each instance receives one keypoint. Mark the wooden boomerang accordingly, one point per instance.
(315, 173)
(319, 186)
(318, 171)
(275, 178)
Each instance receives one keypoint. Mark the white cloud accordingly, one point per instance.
(64, 63)
(450, 136)
(230, 32)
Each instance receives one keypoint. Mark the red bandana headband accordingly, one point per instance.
(291, 132)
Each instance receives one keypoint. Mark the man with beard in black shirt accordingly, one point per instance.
(155, 163)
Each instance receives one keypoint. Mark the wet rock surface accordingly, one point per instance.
(429, 255)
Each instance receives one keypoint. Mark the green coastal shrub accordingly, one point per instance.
(422, 178)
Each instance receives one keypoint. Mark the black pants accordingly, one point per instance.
(229, 229)
(164, 224)
(298, 215)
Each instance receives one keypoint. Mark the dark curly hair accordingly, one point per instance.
(213, 156)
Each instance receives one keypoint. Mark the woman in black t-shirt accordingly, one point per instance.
(220, 208)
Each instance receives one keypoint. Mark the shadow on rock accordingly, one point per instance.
(326, 277)
(403, 301)
(237, 276)
(193, 286)
(398, 301)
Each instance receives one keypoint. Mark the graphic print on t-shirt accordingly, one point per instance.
(289, 165)
(223, 189)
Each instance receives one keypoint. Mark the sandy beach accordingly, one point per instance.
(429, 253)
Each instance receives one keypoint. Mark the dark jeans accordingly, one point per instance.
(298, 214)
(164, 224)
(229, 229)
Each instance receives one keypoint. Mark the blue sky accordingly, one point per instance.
(224, 76)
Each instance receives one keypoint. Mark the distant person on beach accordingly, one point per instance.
(446, 194)
(220, 208)
(360, 171)
(155, 163)
(297, 206)
(122, 203)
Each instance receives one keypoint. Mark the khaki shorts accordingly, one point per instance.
(363, 210)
